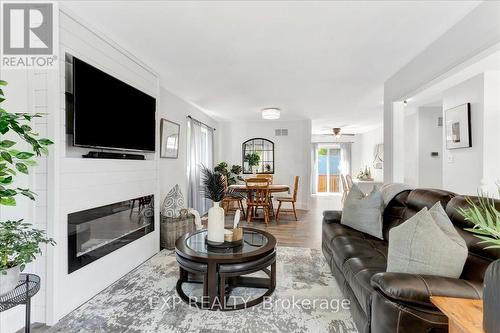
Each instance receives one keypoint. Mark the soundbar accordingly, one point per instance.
(115, 156)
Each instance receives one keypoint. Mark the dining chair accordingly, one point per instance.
(228, 203)
(267, 176)
(348, 178)
(292, 200)
(345, 188)
(270, 177)
(258, 197)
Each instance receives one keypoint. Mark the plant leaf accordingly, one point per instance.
(7, 201)
(21, 167)
(6, 156)
(24, 155)
(6, 143)
(45, 142)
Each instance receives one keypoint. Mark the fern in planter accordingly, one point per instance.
(19, 241)
(486, 219)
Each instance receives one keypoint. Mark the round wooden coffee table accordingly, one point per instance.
(223, 270)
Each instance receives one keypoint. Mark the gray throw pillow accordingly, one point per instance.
(427, 243)
(364, 212)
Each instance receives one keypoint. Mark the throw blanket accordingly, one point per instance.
(390, 190)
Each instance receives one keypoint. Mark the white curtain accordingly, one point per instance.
(345, 158)
(200, 152)
(314, 168)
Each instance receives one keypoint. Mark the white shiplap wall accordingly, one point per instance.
(85, 183)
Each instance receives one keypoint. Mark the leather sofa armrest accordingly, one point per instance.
(417, 289)
(332, 216)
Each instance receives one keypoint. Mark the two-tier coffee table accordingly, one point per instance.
(222, 270)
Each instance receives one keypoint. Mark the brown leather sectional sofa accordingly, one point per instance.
(384, 302)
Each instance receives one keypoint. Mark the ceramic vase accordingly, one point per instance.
(10, 280)
(254, 169)
(491, 298)
(216, 223)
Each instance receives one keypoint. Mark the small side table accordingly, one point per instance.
(464, 315)
(28, 286)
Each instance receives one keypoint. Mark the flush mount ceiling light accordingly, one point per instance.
(271, 113)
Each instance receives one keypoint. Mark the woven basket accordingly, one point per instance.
(173, 228)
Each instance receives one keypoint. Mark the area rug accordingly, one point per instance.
(306, 299)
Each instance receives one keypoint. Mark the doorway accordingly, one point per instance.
(327, 169)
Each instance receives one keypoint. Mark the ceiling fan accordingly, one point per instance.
(337, 132)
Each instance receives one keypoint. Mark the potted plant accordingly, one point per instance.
(485, 215)
(214, 189)
(253, 160)
(19, 241)
(232, 175)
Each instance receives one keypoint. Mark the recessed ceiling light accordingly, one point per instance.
(271, 113)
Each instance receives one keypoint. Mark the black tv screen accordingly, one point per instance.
(108, 113)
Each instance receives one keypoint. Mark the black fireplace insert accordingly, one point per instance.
(96, 232)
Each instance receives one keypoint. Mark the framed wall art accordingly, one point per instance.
(169, 145)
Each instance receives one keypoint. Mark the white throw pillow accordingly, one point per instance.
(427, 243)
(364, 212)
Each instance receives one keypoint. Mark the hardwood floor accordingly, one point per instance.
(306, 232)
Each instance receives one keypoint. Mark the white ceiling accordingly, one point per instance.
(324, 61)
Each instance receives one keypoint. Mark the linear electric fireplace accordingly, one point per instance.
(96, 232)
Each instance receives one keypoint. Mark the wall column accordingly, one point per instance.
(394, 142)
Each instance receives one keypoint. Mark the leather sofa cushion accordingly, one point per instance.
(332, 216)
(359, 256)
(418, 289)
(358, 273)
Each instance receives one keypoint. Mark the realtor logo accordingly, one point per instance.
(28, 35)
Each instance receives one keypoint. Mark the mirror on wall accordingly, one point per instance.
(264, 149)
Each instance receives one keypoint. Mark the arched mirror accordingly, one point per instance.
(264, 149)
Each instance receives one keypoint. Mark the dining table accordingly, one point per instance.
(273, 188)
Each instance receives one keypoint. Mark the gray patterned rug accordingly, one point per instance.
(307, 299)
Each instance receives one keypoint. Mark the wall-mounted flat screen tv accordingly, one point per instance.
(109, 113)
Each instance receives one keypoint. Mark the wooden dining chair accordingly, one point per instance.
(258, 197)
(231, 203)
(267, 176)
(345, 188)
(292, 200)
(349, 181)
(270, 178)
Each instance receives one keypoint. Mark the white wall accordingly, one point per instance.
(430, 139)
(411, 148)
(474, 37)
(491, 147)
(292, 153)
(468, 170)
(463, 168)
(365, 149)
(173, 171)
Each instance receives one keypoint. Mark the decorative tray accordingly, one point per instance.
(223, 245)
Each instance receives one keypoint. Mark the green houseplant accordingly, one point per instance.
(19, 241)
(484, 214)
(232, 175)
(253, 160)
